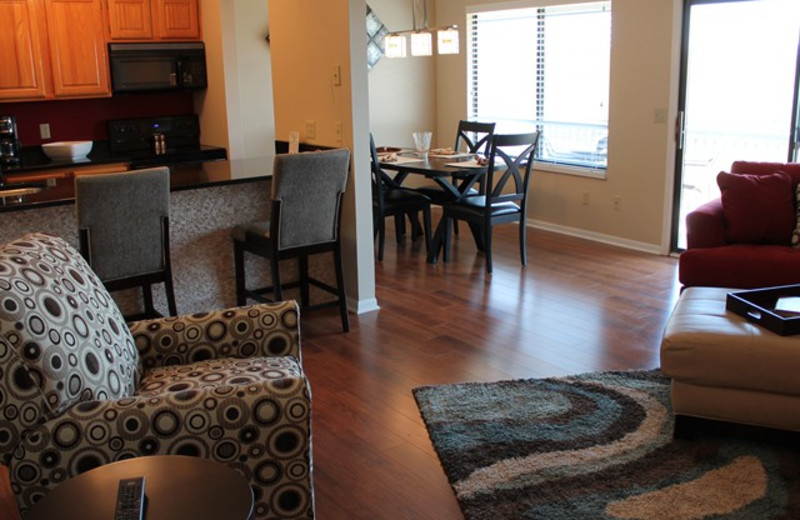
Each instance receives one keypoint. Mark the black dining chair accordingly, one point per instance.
(471, 137)
(305, 219)
(123, 225)
(389, 199)
(506, 198)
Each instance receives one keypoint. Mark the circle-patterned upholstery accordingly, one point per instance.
(225, 385)
(250, 414)
(62, 337)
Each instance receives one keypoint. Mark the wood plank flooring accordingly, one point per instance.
(577, 307)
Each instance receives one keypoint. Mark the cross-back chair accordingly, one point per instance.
(506, 198)
(389, 199)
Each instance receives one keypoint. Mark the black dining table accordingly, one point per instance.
(454, 179)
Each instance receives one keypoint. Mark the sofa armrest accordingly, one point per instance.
(705, 226)
(262, 330)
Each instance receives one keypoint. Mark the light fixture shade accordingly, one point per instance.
(447, 41)
(394, 46)
(421, 44)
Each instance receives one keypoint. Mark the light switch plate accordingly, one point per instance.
(44, 130)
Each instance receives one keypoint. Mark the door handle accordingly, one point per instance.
(680, 130)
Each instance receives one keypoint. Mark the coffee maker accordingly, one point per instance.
(9, 141)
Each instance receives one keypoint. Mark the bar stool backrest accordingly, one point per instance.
(124, 214)
(308, 188)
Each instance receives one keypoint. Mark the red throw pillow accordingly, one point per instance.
(759, 209)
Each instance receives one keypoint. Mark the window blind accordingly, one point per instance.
(546, 68)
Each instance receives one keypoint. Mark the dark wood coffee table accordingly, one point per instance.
(175, 487)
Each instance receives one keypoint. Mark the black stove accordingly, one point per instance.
(133, 135)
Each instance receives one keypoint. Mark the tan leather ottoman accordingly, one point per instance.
(727, 369)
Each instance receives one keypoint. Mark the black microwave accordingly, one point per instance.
(149, 67)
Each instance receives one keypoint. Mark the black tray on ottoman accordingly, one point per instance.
(758, 306)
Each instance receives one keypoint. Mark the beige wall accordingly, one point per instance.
(211, 104)
(236, 111)
(644, 68)
(402, 95)
(308, 39)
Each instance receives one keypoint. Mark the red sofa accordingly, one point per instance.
(713, 259)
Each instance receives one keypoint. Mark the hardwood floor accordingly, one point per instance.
(577, 307)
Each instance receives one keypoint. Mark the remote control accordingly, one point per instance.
(130, 499)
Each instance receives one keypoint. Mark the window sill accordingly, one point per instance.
(577, 171)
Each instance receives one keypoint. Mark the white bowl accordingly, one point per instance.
(67, 150)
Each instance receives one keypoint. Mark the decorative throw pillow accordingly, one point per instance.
(69, 334)
(758, 209)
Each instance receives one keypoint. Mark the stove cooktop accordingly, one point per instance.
(130, 135)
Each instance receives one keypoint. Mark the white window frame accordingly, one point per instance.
(556, 167)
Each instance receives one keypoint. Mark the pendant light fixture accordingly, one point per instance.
(421, 36)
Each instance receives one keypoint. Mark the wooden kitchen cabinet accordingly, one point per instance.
(77, 48)
(130, 20)
(176, 19)
(154, 20)
(22, 50)
(52, 49)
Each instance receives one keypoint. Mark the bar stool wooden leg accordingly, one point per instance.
(304, 297)
(147, 294)
(238, 261)
(276, 278)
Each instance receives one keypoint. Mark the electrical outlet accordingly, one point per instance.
(337, 131)
(336, 75)
(44, 130)
(616, 203)
(659, 115)
(585, 199)
(311, 129)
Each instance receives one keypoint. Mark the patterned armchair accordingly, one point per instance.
(79, 388)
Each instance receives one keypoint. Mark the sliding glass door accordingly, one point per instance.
(739, 93)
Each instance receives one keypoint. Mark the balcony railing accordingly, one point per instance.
(572, 144)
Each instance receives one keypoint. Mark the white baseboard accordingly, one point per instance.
(362, 306)
(595, 237)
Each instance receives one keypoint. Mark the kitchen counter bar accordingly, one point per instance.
(207, 201)
(183, 177)
(32, 158)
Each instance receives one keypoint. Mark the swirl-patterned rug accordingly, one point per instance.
(598, 446)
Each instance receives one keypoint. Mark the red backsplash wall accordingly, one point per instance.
(85, 119)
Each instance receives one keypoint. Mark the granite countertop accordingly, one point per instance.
(183, 176)
(32, 158)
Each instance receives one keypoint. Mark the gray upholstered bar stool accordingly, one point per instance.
(305, 218)
(123, 221)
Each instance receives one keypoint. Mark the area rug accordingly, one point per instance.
(598, 446)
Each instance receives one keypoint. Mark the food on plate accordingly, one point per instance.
(443, 151)
(389, 157)
(482, 161)
(387, 149)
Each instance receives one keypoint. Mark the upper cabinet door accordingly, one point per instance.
(177, 19)
(77, 48)
(22, 61)
(130, 20)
